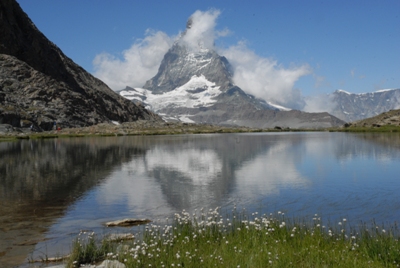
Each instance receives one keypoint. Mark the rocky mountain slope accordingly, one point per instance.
(352, 107)
(40, 85)
(391, 118)
(195, 85)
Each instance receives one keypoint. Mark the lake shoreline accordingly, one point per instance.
(142, 127)
(139, 127)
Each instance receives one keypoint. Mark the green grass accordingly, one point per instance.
(207, 239)
(88, 250)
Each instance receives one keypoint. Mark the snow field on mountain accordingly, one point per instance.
(197, 92)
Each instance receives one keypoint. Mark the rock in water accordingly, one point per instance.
(127, 222)
(40, 85)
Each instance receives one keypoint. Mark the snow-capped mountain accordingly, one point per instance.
(195, 85)
(196, 93)
(351, 107)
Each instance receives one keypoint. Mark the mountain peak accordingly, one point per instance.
(197, 86)
(189, 23)
(180, 64)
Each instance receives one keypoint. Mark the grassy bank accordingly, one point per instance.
(146, 128)
(385, 128)
(208, 239)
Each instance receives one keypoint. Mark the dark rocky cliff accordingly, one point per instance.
(41, 85)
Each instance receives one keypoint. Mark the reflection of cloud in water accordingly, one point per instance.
(268, 173)
(201, 166)
(206, 174)
(132, 184)
(189, 172)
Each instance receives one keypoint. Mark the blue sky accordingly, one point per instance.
(324, 45)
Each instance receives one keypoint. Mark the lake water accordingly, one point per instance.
(52, 189)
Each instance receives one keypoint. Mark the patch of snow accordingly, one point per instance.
(186, 96)
(198, 58)
(135, 94)
(281, 108)
(383, 90)
(341, 90)
(186, 119)
(368, 93)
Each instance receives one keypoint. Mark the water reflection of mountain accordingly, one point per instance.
(40, 179)
(200, 171)
(197, 171)
(369, 145)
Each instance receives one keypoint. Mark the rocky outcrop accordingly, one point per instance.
(39, 85)
(390, 118)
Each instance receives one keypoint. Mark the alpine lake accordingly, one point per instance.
(52, 189)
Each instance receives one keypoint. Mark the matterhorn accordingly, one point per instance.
(194, 84)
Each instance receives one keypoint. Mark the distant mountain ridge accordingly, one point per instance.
(196, 85)
(352, 107)
(40, 85)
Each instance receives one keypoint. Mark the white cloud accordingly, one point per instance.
(201, 32)
(138, 64)
(319, 103)
(265, 78)
(262, 77)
